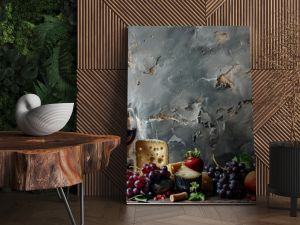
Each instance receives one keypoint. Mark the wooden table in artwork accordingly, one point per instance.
(59, 160)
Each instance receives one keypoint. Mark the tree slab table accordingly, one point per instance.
(55, 161)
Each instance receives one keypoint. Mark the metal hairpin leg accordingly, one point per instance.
(61, 194)
(67, 193)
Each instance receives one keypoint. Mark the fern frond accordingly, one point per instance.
(58, 64)
(49, 33)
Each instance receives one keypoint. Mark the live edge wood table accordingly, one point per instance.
(52, 162)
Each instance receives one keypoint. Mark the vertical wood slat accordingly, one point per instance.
(262, 177)
(262, 17)
(102, 24)
(102, 61)
(101, 43)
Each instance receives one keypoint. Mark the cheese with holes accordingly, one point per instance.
(151, 151)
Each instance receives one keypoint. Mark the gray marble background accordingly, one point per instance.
(191, 87)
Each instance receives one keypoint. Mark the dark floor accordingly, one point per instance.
(46, 209)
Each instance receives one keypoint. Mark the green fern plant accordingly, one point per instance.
(17, 73)
(37, 53)
(57, 72)
(7, 112)
(54, 44)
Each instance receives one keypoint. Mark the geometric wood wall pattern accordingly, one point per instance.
(102, 69)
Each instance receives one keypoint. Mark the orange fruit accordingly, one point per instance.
(250, 181)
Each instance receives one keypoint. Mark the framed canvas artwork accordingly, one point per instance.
(190, 125)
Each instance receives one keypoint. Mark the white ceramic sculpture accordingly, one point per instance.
(40, 120)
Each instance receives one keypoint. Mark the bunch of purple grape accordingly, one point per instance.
(229, 181)
(143, 183)
(155, 174)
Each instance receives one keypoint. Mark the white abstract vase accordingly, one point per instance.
(40, 120)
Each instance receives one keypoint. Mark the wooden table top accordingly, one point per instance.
(17, 141)
(57, 160)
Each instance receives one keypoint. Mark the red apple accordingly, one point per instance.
(250, 181)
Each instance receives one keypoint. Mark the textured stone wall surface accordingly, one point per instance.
(191, 87)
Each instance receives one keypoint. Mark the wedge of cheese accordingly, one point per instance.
(187, 173)
(174, 167)
(151, 151)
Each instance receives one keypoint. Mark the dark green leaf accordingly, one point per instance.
(198, 196)
(244, 158)
(7, 82)
(139, 198)
(194, 187)
(8, 73)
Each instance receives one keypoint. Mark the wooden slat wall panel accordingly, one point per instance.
(263, 17)
(102, 68)
(102, 37)
(267, 92)
(212, 6)
(277, 128)
(102, 109)
(262, 177)
(160, 12)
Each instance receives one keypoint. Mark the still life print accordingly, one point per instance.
(190, 125)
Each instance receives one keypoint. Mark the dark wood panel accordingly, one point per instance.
(102, 50)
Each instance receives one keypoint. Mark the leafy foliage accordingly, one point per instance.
(193, 153)
(194, 187)
(70, 11)
(53, 43)
(33, 10)
(37, 53)
(194, 194)
(56, 61)
(197, 196)
(245, 158)
(14, 31)
(7, 121)
(139, 198)
(17, 73)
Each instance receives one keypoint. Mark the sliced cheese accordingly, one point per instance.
(174, 167)
(187, 173)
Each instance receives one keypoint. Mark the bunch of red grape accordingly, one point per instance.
(229, 181)
(143, 183)
(135, 183)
